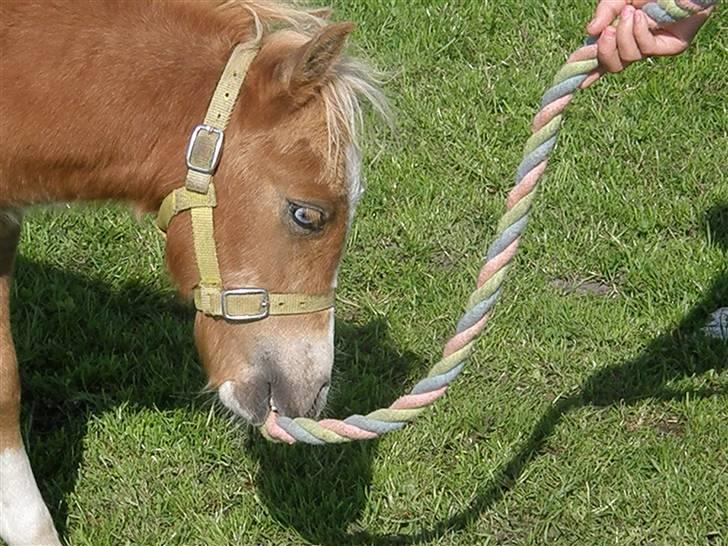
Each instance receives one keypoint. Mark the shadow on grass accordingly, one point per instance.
(680, 353)
(320, 490)
(84, 349)
(308, 489)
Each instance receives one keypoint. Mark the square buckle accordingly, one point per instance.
(203, 149)
(252, 317)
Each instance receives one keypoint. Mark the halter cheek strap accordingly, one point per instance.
(198, 197)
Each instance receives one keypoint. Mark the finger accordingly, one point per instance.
(606, 12)
(629, 52)
(643, 35)
(655, 42)
(675, 38)
(608, 54)
(666, 43)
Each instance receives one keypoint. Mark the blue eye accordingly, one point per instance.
(306, 218)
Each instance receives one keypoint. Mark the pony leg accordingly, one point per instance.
(24, 517)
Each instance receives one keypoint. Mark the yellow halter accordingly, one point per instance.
(198, 196)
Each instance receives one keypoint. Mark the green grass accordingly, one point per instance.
(591, 413)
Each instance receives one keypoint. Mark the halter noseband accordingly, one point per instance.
(198, 196)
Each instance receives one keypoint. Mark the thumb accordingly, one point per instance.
(606, 12)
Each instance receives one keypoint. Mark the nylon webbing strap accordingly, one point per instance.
(217, 117)
(183, 199)
(205, 251)
(295, 304)
(219, 111)
(246, 304)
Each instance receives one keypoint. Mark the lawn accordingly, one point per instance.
(594, 409)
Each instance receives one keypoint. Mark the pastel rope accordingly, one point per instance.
(499, 256)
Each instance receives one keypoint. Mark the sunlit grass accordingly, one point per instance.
(594, 410)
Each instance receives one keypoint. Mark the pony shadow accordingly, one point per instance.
(85, 349)
(679, 354)
(320, 491)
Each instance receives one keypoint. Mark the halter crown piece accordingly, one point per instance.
(202, 156)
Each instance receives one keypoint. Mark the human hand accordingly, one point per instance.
(635, 35)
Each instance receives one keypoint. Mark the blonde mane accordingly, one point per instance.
(352, 81)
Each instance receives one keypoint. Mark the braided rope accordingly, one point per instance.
(572, 76)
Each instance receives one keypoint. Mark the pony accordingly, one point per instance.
(98, 101)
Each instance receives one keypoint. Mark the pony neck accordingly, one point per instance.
(105, 98)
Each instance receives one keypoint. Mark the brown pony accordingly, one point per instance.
(97, 101)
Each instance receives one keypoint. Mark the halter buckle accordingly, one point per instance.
(203, 149)
(248, 317)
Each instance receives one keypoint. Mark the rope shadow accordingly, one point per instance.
(85, 349)
(683, 352)
(144, 340)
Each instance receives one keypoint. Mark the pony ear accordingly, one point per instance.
(321, 13)
(311, 63)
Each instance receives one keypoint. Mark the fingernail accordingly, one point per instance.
(627, 11)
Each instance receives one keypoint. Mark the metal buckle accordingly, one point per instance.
(264, 304)
(205, 140)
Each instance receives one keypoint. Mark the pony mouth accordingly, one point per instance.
(257, 406)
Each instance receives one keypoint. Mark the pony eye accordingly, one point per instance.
(306, 218)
